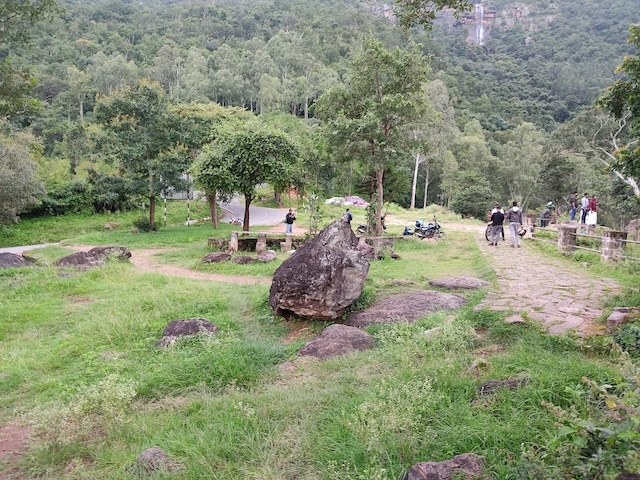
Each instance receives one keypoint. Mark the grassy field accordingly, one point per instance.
(79, 365)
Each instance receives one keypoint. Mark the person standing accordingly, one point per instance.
(592, 216)
(347, 217)
(514, 217)
(584, 205)
(497, 220)
(573, 206)
(288, 220)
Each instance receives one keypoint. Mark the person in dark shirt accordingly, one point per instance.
(288, 220)
(497, 220)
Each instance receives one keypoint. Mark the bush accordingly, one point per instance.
(628, 337)
(144, 225)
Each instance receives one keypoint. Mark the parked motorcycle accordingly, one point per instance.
(422, 230)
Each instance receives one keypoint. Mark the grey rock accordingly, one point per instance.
(266, 256)
(467, 465)
(185, 327)
(466, 283)
(337, 340)
(79, 261)
(406, 307)
(620, 316)
(11, 260)
(153, 460)
(217, 257)
(323, 278)
(489, 387)
(111, 251)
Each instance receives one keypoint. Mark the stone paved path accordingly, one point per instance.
(559, 295)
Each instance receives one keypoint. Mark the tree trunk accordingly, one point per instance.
(213, 208)
(277, 197)
(426, 187)
(379, 201)
(415, 182)
(152, 201)
(245, 221)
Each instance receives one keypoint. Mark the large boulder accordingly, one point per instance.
(406, 308)
(78, 260)
(11, 260)
(217, 257)
(110, 251)
(337, 340)
(323, 278)
(467, 465)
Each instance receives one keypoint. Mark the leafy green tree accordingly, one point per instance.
(623, 100)
(521, 160)
(241, 159)
(17, 19)
(472, 195)
(143, 140)
(200, 124)
(423, 12)
(368, 118)
(19, 184)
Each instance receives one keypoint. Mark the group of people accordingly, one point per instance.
(588, 208)
(290, 217)
(498, 217)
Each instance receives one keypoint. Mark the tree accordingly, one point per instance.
(200, 124)
(622, 99)
(17, 19)
(143, 139)
(521, 162)
(369, 116)
(423, 12)
(241, 159)
(19, 185)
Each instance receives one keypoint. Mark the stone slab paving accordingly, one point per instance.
(558, 295)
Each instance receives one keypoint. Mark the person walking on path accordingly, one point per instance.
(514, 217)
(573, 206)
(346, 216)
(288, 220)
(584, 205)
(497, 220)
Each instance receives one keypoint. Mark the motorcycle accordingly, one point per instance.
(363, 228)
(422, 231)
(235, 221)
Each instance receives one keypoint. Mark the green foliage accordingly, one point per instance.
(419, 12)
(142, 139)
(473, 196)
(144, 225)
(244, 157)
(19, 186)
(623, 100)
(605, 442)
(628, 337)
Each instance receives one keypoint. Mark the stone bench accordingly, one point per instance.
(260, 241)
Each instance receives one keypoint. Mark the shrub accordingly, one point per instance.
(144, 225)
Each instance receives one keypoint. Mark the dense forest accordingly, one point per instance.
(511, 95)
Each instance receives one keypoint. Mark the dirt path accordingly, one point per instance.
(144, 262)
(13, 442)
(545, 289)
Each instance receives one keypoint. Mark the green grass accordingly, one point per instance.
(78, 362)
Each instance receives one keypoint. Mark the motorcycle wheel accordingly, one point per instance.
(439, 235)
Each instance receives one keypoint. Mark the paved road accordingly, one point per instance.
(258, 215)
(559, 295)
(25, 248)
